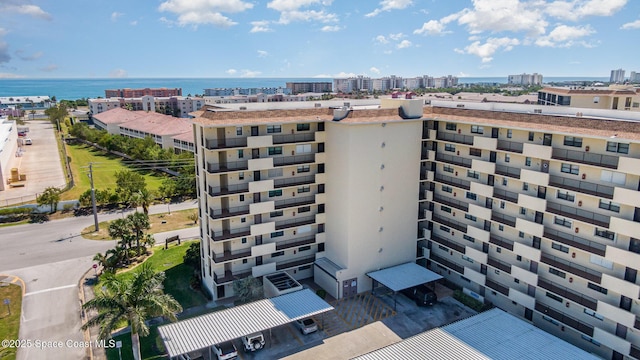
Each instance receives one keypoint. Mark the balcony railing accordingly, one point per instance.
(502, 242)
(508, 171)
(575, 241)
(294, 181)
(572, 268)
(511, 146)
(295, 222)
(504, 219)
(230, 276)
(451, 265)
(448, 243)
(455, 160)
(497, 287)
(231, 255)
(295, 263)
(281, 245)
(569, 294)
(230, 234)
(228, 190)
(579, 214)
(293, 160)
(230, 166)
(453, 181)
(505, 195)
(293, 138)
(460, 205)
(607, 161)
(635, 351)
(501, 265)
(282, 204)
(637, 323)
(565, 319)
(582, 186)
(457, 138)
(450, 223)
(228, 212)
(226, 143)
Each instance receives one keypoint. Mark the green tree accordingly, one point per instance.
(133, 300)
(139, 222)
(51, 197)
(57, 114)
(121, 229)
(128, 183)
(247, 289)
(192, 256)
(142, 198)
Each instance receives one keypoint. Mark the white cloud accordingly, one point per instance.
(504, 15)
(133, 23)
(381, 39)
(374, 70)
(232, 71)
(203, 12)
(28, 57)
(49, 68)
(260, 26)
(330, 28)
(396, 37)
(115, 15)
(388, 5)
(10, 76)
(404, 44)
(431, 27)
(249, 73)
(564, 36)
(25, 9)
(262, 54)
(118, 73)
(290, 11)
(292, 5)
(462, 74)
(578, 9)
(485, 51)
(631, 25)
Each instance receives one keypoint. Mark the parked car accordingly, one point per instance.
(307, 326)
(253, 342)
(225, 351)
(421, 294)
(22, 133)
(27, 141)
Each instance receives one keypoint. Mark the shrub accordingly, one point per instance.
(322, 293)
(471, 302)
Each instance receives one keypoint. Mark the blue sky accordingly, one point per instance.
(316, 38)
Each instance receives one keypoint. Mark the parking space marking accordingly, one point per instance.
(293, 333)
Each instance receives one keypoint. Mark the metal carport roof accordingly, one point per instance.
(403, 276)
(203, 331)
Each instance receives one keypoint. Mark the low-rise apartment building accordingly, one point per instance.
(137, 93)
(176, 105)
(615, 97)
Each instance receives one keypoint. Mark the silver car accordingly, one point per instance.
(307, 326)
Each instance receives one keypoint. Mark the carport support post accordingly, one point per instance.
(93, 198)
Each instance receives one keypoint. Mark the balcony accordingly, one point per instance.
(450, 223)
(228, 190)
(504, 219)
(448, 243)
(460, 205)
(502, 242)
(579, 214)
(500, 265)
(456, 138)
(635, 351)
(225, 143)
(281, 245)
(293, 138)
(508, 171)
(497, 287)
(572, 268)
(294, 181)
(294, 160)
(230, 276)
(510, 146)
(606, 161)
(230, 166)
(637, 323)
(230, 234)
(569, 294)
(464, 184)
(455, 160)
(308, 260)
(451, 265)
(575, 241)
(582, 186)
(293, 202)
(231, 255)
(565, 319)
(228, 212)
(295, 222)
(505, 195)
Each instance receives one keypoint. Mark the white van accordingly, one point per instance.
(27, 141)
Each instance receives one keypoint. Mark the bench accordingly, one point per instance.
(171, 239)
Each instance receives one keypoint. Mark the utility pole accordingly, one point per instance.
(93, 198)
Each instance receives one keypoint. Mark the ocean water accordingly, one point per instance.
(72, 89)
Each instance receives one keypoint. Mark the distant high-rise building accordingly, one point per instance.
(136, 93)
(525, 79)
(305, 87)
(617, 76)
(634, 77)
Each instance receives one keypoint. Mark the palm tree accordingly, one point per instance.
(139, 222)
(120, 229)
(142, 197)
(133, 300)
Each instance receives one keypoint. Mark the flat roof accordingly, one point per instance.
(493, 334)
(282, 281)
(404, 276)
(203, 331)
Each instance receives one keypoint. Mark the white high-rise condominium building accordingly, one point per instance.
(538, 214)
(634, 77)
(617, 76)
(525, 79)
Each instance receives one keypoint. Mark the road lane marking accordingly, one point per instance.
(51, 289)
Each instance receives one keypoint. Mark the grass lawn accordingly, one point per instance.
(10, 324)
(151, 346)
(176, 221)
(105, 165)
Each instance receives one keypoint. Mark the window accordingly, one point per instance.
(447, 189)
(560, 247)
(502, 204)
(274, 193)
(523, 211)
(501, 227)
(277, 234)
(241, 175)
(473, 174)
(475, 152)
(617, 147)
(531, 135)
(468, 238)
(443, 248)
(240, 154)
(303, 149)
(470, 217)
(475, 129)
(465, 257)
(570, 169)
(304, 189)
(527, 161)
(276, 213)
(444, 228)
(509, 134)
(605, 234)
(596, 99)
(557, 272)
(593, 313)
(304, 168)
(608, 205)
(276, 150)
(505, 182)
(303, 127)
(597, 288)
(241, 197)
(244, 240)
(304, 248)
(507, 158)
(276, 254)
(521, 234)
(304, 209)
(238, 130)
(447, 168)
(272, 129)
(554, 297)
(451, 126)
(243, 220)
(525, 186)
(562, 221)
(445, 209)
(275, 172)
(472, 196)
(613, 177)
(565, 195)
(449, 147)
(573, 141)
